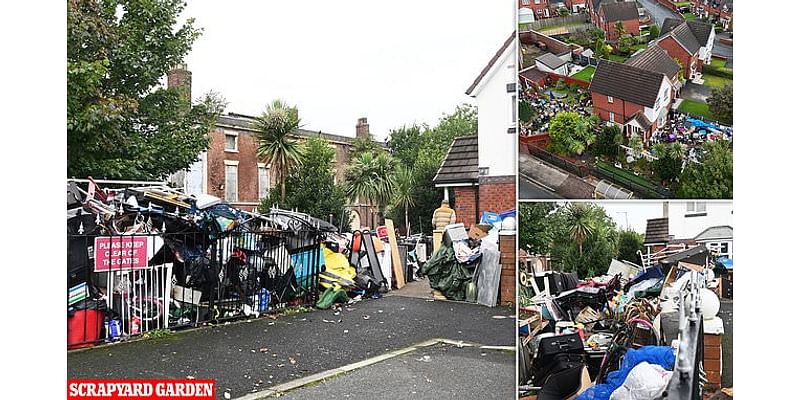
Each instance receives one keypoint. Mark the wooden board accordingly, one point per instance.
(399, 274)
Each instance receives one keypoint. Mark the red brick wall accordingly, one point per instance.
(569, 81)
(464, 204)
(609, 27)
(533, 6)
(676, 51)
(498, 193)
(622, 109)
(247, 169)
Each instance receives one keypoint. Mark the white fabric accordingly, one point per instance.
(645, 382)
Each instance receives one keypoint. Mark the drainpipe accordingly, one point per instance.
(477, 202)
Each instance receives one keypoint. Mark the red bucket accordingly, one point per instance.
(83, 328)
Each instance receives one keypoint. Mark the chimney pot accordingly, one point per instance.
(362, 128)
(181, 78)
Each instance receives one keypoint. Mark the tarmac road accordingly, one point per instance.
(247, 356)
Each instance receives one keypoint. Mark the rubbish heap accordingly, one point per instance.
(634, 333)
(467, 265)
(142, 258)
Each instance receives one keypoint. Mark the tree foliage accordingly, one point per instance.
(654, 31)
(121, 123)
(712, 177)
(535, 233)
(608, 141)
(368, 178)
(670, 161)
(630, 242)
(720, 103)
(572, 134)
(310, 185)
(525, 111)
(584, 239)
(276, 145)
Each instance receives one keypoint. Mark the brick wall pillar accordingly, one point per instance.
(712, 360)
(508, 269)
(498, 193)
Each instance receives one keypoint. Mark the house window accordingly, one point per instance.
(538, 1)
(263, 181)
(231, 181)
(514, 109)
(610, 99)
(526, 2)
(231, 142)
(511, 87)
(610, 117)
(483, 171)
(721, 248)
(695, 209)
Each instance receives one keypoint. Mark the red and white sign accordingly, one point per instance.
(382, 232)
(120, 253)
(141, 389)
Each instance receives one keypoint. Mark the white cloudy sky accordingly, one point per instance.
(393, 62)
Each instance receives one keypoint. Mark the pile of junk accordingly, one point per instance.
(634, 333)
(144, 256)
(466, 266)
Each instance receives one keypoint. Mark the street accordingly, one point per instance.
(249, 356)
(658, 12)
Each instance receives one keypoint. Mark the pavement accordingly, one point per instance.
(560, 182)
(530, 190)
(658, 12)
(726, 313)
(437, 372)
(253, 355)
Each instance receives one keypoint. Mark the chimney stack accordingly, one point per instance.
(181, 78)
(362, 128)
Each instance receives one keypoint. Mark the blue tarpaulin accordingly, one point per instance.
(660, 355)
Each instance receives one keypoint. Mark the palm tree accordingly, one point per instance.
(368, 177)
(619, 28)
(579, 221)
(275, 143)
(404, 182)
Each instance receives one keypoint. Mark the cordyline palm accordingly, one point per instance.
(369, 177)
(404, 182)
(619, 28)
(275, 143)
(580, 224)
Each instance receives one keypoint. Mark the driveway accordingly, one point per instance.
(658, 12)
(693, 91)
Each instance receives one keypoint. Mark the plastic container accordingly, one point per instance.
(263, 301)
(83, 328)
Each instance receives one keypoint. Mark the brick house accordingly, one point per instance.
(609, 14)
(231, 170)
(479, 169)
(635, 98)
(540, 8)
(657, 59)
(715, 10)
(689, 42)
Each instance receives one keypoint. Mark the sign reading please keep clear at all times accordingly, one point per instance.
(120, 253)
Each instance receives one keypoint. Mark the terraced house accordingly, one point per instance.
(689, 42)
(715, 10)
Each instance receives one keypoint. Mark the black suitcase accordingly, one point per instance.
(550, 346)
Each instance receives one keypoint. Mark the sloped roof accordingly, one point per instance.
(655, 59)
(690, 34)
(626, 82)
(493, 60)
(715, 232)
(657, 231)
(550, 60)
(461, 163)
(533, 74)
(641, 119)
(245, 122)
(620, 11)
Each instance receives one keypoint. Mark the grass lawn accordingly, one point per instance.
(714, 81)
(695, 108)
(585, 74)
(617, 58)
(682, 3)
(625, 174)
(718, 63)
(689, 16)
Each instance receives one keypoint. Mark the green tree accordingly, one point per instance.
(121, 123)
(681, 73)
(584, 239)
(654, 31)
(423, 149)
(403, 182)
(635, 143)
(276, 146)
(362, 145)
(630, 242)
(368, 178)
(720, 103)
(571, 134)
(602, 49)
(608, 141)
(619, 28)
(535, 233)
(310, 185)
(563, 11)
(670, 161)
(525, 112)
(712, 177)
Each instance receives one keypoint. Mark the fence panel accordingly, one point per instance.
(125, 285)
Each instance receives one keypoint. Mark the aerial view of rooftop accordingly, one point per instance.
(623, 99)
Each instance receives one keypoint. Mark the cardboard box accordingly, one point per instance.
(478, 232)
